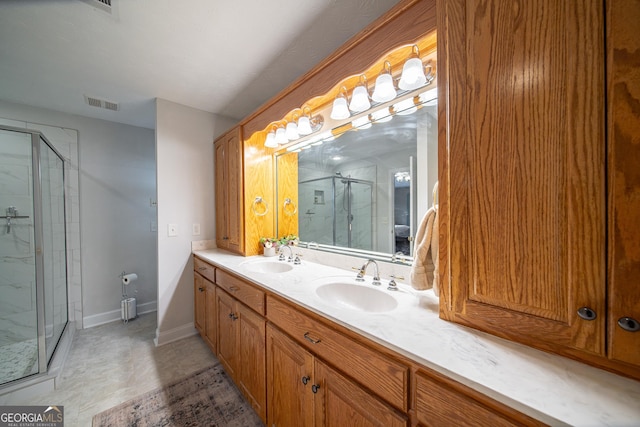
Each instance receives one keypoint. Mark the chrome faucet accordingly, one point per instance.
(363, 270)
(281, 252)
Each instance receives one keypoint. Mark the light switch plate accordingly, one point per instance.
(172, 230)
(196, 229)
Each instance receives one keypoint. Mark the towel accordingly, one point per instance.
(424, 270)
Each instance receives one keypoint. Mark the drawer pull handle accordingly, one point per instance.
(311, 340)
(315, 388)
(629, 324)
(305, 380)
(202, 268)
(586, 313)
(234, 288)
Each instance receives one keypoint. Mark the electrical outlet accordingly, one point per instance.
(196, 229)
(172, 230)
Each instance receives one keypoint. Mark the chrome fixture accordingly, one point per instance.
(11, 212)
(363, 270)
(384, 90)
(297, 261)
(393, 286)
(281, 252)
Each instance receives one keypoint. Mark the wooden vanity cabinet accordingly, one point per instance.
(522, 174)
(241, 342)
(304, 391)
(373, 391)
(229, 191)
(204, 293)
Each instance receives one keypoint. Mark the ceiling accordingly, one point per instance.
(222, 56)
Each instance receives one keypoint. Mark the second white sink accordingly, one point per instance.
(356, 297)
(267, 266)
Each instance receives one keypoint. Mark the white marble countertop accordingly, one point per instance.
(553, 389)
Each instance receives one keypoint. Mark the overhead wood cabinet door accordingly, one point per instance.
(523, 169)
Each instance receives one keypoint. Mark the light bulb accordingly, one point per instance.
(270, 142)
(384, 90)
(359, 99)
(280, 136)
(363, 122)
(405, 107)
(412, 74)
(291, 132)
(304, 125)
(340, 110)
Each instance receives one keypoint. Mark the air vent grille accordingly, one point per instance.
(104, 5)
(101, 103)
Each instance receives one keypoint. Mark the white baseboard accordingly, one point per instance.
(115, 315)
(175, 334)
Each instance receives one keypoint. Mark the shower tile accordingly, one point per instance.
(14, 179)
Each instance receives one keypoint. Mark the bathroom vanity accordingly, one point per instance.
(303, 357)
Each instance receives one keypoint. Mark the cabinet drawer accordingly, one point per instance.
(205, 269)
(381, 375)
(247, 294)
(444, 402)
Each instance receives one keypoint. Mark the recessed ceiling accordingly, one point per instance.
(224, 57)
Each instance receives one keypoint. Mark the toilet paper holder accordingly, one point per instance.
(128, 305)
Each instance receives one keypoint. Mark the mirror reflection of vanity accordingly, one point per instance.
(366, 189)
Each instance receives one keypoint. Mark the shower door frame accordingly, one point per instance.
(38, 227)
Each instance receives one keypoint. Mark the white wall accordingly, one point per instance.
(184, 156)
(116, 169)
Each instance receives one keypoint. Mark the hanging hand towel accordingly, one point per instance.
(422, 267)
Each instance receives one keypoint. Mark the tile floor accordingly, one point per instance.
(113, 363)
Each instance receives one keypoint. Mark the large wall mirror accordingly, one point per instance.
(364, 190)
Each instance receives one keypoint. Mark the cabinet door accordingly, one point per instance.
(521, 138)
(211, 317)
(235, 218)
(623, 47)
(289, 382)
(228, 333)
(221, 177)
(199, 300)
(339, 399)
(252, 359)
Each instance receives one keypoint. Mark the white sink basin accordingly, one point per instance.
(356, 297)
(267, 266)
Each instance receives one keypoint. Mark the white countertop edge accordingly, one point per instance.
(553, 389)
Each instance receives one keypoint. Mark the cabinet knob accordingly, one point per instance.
(201, 289)
(629, 324)
(305, 380)
(586, 313)
(315, 388)
(232, 316)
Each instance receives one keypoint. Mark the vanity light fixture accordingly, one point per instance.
(270, 142)
(340, 111)
(360, 97)
(304, 122)
(291, 131)
(281, 137)
(412, 72)
(384, 90)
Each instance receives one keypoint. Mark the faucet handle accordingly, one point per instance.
(393, 286)
(297, 261)
(281, 257)
(360, 276)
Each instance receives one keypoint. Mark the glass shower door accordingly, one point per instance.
(53, 246)
(18, 303)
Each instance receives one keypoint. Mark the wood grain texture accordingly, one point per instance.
(381, 375)
(339, 399)
(259, 181)
(199, 304)
(211, 321)
(228, 335)
(244, 292)
(290, 401)
(524, 169)
(252, 350)
(287, 182)
(623, 102)
(440, 401)
(404, 24)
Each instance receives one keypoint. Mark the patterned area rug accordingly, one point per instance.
(206, 398)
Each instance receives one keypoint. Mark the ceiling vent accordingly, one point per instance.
(104, 5)
(101, 103)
